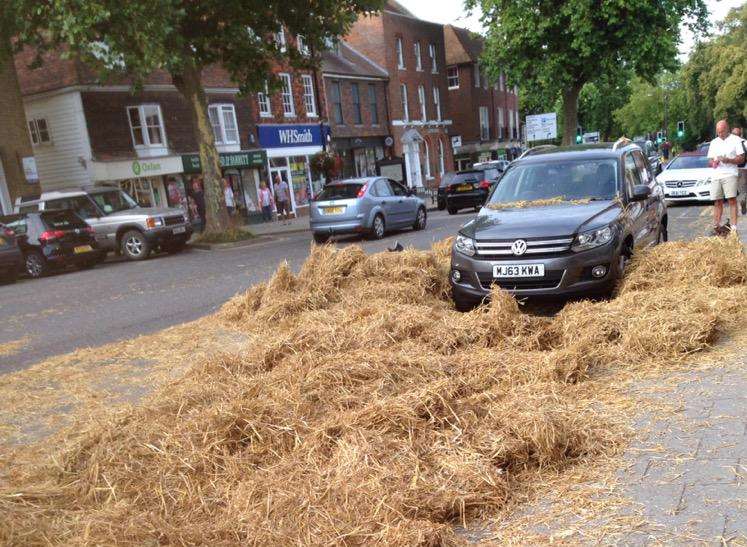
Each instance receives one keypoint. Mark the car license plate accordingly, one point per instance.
(180, 230)
(82, 249)
(333, 210)
(464, 188)
(678, 192)
(518, 270)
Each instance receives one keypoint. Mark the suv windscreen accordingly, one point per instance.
(61, 220)
(571, 179)
(689, 162)
(113, 201)
(339, 191)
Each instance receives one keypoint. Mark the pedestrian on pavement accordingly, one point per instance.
(228, 196)
(725, 153)
(282, 199)
(199, 198)
(265, 201)
(742, 177)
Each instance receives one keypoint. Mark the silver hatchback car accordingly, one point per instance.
(368, 206)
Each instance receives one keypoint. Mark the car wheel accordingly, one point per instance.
(453, 211)
(134, 245)
(464, 305)
(321, 239)
(624, 259)
(36, 265)
(663, 234)
(378, 228)
(420, 220)
(441, 205)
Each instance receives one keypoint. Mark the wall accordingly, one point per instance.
(366, 128)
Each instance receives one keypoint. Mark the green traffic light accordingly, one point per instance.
(680, 134)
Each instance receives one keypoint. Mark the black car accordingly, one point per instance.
(651, 155)
(11, 259)
(562, 222)
(53, 239)
(466, 189)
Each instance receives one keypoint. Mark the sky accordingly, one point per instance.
(453, 12)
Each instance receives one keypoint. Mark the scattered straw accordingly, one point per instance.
(364, 409)
(559, 200)
(10, 348)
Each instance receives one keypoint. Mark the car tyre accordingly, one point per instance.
(464, 305)
(321, 239)
(441, 205)
(421, 219)
(453, 210)
(134, 245)
(663, 235)
(36, 265)
(378, 227)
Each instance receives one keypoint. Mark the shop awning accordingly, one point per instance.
(239, 160)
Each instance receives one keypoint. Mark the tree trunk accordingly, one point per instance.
(570, 113)
(189, 83)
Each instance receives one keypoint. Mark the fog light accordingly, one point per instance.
(456, 276)
(599, 271)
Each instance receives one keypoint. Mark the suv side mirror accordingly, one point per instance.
(640, 192)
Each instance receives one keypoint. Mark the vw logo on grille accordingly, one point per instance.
(519, 247)
(679, 184)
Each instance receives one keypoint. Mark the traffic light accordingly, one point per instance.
(680, 129)
(660, 137)
(579, 136)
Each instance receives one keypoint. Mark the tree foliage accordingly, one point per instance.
(560, 46)
(183, 37)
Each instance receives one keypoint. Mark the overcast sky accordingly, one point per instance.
(453, 12)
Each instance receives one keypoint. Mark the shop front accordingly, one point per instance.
(289, 149)
(243, 170)
(149, 182)
(359, 155)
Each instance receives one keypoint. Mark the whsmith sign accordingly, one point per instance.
(285, 136)
(239, 160)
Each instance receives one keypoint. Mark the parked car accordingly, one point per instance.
(369, 206)
(703, 147)
(687, 177)
(651, 154)
(564, 248)
(119, 223)
(53, 239)
(500, 165)
(11, 259)
(466, 189)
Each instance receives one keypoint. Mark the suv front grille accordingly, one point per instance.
(550, 281)
(501, 248)
(171, 221)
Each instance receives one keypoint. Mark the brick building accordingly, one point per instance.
(412, 53)
(15, 145)
(356, 94)
(485, 114)
(144, 142)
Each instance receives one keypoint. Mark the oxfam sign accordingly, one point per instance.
(145, 168)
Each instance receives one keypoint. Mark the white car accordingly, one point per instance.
(687, 178)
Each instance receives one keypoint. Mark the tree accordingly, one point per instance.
(561, 46)
(183, 37)
(601, 97)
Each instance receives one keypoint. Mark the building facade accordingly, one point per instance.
(413, 55)
(356, 95)
(485, 113)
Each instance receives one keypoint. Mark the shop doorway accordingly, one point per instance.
(279, 170)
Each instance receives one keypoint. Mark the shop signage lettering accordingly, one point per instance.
(286, 136)
(249, 158)
(145, 167)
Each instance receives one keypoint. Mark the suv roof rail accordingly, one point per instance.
(621, 143)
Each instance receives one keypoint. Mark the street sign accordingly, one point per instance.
(456, 141)
(542, 127)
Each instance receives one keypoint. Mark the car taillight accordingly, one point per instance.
(450, 188)
(362, 191)
(484, 185)
(88, 230)
(49, 235)
(8, 232)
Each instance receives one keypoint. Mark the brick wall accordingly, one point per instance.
(14, 137)
(109, 130)
(366, 128)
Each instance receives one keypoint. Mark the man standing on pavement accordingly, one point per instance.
(228, 197)
(282, 199)
(725, 153)
(742, 177)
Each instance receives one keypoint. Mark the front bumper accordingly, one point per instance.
(702, 193)
(566, 274)
(168, 234)
(355, 226)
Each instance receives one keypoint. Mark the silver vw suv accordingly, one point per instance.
(119, 223)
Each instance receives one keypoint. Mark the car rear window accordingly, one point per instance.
(339, 191)
(62, 220)
(457, 178)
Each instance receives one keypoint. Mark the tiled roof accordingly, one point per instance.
(462, 45)
(350, 63)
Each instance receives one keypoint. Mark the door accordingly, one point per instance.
(279, 170)
(636, 209)
(654, 202)
(381, 194)
(412, 159)
(404, 206)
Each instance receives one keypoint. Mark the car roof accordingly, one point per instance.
(692, 153)
(64, 193)
(359, 180)
(579, 151)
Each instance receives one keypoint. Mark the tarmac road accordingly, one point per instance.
(120, 299)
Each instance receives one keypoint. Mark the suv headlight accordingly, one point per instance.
(154, 222)
(593, 238)
(465, 245)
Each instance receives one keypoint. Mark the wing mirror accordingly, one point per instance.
(640, 192)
